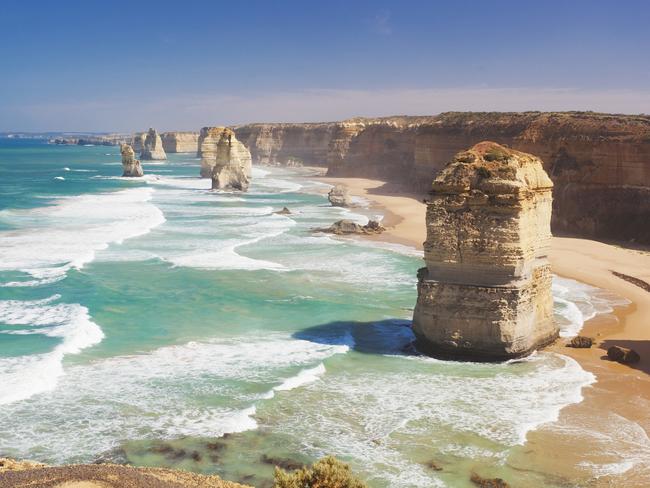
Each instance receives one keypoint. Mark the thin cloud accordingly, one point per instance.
(190, 112)
(381, 24)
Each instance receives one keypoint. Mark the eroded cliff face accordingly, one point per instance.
(180, 142)
(225, 159)
(287, 144)
(152, 149)
(486, 290)
(130, 166)
(600, 163)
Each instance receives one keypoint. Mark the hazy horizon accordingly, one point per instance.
(88, 68)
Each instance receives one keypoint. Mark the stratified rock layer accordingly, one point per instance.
(153, 149)
(224, 159)
(486, 291)
(130, 165)
(287, 144)
(180, 142)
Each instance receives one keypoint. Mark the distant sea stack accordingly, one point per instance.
(485, 293)
(130, 165)
(137, 141)
(224, 159)
(153, 149)
(180, 142)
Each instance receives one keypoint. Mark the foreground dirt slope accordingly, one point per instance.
(14, 474)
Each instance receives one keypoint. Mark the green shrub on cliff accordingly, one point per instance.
(328, 472)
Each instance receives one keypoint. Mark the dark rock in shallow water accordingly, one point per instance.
(286, 464)
(196, 456)
(623, 355)
(433, 465)
(581, 342)
(215, 446)
(161, 449)
(284, 211)
(345, 226)
(488, 483)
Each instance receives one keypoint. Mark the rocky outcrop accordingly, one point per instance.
(581, 342)
(130, 165)
(224, 159)
(287, 144)
(153, 149)
(180, 142)
(345, 226)
(485, 293)
(623, 355)
(338, 196)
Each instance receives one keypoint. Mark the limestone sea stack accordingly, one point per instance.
(485, 293)
(153, 148)
(224, 159)
(130, 165)
(137, 141)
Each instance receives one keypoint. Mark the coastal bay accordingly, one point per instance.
(618, 397)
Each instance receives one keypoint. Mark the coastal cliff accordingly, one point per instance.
(599, 163)
(486, 290)
(180, 142)
(224, 159)
(287, 144)
(152, 149)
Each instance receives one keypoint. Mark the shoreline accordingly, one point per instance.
(620, 393)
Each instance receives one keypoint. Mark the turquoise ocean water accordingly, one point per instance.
(155, 322)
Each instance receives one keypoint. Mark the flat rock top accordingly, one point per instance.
(106, 476)
(492, 169)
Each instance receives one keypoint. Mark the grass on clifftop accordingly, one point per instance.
(329, 472)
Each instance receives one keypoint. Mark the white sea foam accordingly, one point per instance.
(154, 395)
(369, 416)
(576, 302)
(51, 240)
(305, 377)
(24, 376)
(60, 178)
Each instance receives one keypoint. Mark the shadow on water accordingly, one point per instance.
(389, 336)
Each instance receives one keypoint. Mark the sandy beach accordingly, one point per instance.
(614, 416)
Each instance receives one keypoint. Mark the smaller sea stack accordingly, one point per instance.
(224, 159)
(130, 165)
(485, 293)
(153, 148)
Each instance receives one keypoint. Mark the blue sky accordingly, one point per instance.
(126, 66)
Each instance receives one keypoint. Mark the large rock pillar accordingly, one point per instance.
(130, 165)
(224, 159)
(485, 293)
(153, 148)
